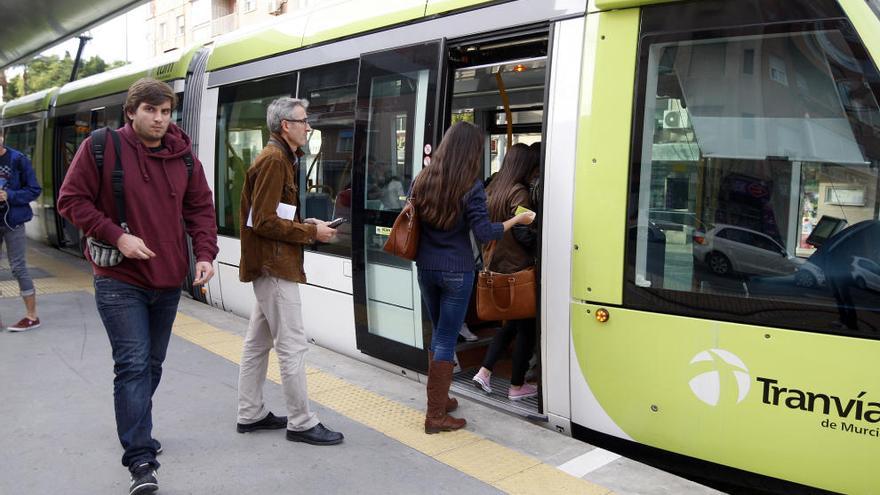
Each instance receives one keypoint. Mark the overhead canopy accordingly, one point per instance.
(31, 26)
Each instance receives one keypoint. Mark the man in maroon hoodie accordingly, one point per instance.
(137, 298)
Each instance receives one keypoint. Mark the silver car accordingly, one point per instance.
(730, 248)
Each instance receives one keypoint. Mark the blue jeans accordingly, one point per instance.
(16, 248)
(446, 294)
(138, 322)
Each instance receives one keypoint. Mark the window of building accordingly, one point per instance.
(241, 135)
(327, 165)
(250, 5)
(726, 194)
(181, 26)
(163, 34)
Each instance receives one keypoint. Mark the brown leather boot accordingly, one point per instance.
(439, 379)
(451, 402)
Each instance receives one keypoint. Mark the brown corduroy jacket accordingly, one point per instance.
(274, 245)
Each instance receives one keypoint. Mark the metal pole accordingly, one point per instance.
(83, 39)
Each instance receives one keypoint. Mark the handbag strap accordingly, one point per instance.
(490, 251)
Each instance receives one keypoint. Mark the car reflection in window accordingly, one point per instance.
(728, 249)
(847, 268)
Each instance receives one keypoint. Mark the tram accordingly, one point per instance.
(710, 226)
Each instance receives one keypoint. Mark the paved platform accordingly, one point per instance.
(59, 435)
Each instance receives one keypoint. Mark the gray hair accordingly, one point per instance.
(282, 109)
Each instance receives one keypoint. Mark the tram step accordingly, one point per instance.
(463, 385)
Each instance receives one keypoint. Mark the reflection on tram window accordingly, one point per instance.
(325, 169)
(241, 135)
(396, 135)
(759, 165)
(22, 138)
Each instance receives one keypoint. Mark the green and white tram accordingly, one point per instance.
(710, 227)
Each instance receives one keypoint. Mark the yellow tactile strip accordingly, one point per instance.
(64, 277)
(487, 461)
(506, 469)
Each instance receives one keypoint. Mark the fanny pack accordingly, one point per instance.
(102, 253)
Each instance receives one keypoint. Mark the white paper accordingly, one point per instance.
(284, 210)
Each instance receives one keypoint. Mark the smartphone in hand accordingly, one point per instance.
(337, 222)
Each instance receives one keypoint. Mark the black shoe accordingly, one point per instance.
(270, 422)
(143, 480)
(316, 435)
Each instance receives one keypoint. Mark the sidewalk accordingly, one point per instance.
(60, 431)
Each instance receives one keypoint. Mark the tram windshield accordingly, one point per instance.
(750, 144)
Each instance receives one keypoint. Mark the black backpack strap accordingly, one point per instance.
(190, 163)
(117, 181)
(99, 147)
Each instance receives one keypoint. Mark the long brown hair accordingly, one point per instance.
(441, 186)
(519, 163)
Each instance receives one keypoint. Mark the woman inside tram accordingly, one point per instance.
(449, 198)
(508, 191)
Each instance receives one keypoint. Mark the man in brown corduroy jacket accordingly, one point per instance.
(272, 258)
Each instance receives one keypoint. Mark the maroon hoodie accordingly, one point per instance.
(159, 199)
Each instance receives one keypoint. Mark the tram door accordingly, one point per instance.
(396, 130)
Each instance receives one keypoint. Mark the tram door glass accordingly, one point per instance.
(758, 177)
(395, 124)
(72, 131)
(397, 105)
(325, 170)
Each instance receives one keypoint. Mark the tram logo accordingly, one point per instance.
(707, 384)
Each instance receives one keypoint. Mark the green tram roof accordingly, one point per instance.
(35, 102)
(167, 67)
(325, 23)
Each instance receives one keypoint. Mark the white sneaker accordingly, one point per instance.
(466, 333)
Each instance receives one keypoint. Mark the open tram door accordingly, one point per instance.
(396, 129)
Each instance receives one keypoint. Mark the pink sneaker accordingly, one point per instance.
(524, 392)
(24, 324)
(483, 381)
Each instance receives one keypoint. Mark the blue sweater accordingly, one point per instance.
(21, 187)
(450, 250)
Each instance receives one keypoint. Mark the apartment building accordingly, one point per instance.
(175, 24)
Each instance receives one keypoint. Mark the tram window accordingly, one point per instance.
(875, 6)
(735, 172)
(23, 138)
(241, 135)
(326, 167)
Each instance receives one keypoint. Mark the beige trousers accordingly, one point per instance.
(275, 321)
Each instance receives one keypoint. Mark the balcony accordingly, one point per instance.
(223, 25)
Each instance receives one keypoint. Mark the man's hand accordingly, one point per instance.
(3, 195)
(325, 233)
(133, 247)
(204, 272)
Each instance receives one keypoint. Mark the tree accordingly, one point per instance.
(46, 71)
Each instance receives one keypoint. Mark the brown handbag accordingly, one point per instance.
(505, 296)
(404, 238)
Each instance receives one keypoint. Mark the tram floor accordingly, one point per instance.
(59, 431)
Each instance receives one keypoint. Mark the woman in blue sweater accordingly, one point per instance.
(451, 202)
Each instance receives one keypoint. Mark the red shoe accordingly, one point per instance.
(24, 324)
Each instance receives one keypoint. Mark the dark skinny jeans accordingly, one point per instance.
(524, 333)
